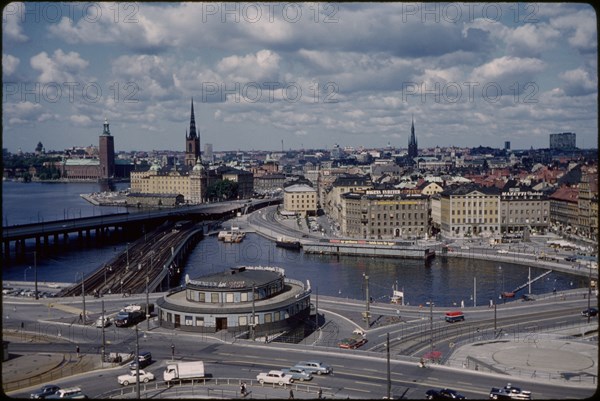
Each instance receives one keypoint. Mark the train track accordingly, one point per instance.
(130, 271)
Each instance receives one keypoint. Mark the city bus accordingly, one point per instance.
(455, 316)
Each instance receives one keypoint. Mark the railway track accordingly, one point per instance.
(130, 271)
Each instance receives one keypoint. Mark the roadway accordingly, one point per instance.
(358, 373)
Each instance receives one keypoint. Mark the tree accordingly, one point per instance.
(222, 190)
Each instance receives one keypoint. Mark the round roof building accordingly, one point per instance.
(247, 300)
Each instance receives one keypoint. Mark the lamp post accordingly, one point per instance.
(25, 273)
(83, 296)
(35, 274)
(367, 312)
(589, 290)
(127, 252)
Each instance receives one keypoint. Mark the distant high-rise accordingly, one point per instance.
(208, 152)
(564, 140)
(413, 149)
(107, 153)
(507, 145)
(192, 142)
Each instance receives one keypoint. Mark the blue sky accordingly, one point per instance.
(309, 74)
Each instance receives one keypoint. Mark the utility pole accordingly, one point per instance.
(137, 363)
(367, 312)
(317, 309)
(147, 304)
(389, 373)
(431, 327)
(589, 291)
(494, 318)
(83, 296)
(253, 325)
(103, 337)
(35, 274)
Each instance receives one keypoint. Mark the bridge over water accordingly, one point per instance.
(17, 235)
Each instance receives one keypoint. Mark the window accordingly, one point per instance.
(201, 297)
(244, 297)
(214, 297)
(229, 297)
(268, 318)
(242, 321)
(188, 320)
(199, 321)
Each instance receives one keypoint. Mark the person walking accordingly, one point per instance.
(291, 397)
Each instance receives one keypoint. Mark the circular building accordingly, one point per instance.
(232, 300)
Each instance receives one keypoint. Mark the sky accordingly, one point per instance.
(273, 76)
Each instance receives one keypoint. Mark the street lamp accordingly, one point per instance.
(366, 276)
(82, 295)
(25, 273)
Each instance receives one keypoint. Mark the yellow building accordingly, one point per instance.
(301, 199)
(470, 210)
(191, 185)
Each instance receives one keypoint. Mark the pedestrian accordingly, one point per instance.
(291, 394)
(243, 389)
(320, 394)
(81, 317)
(22, 325)
(77, 349)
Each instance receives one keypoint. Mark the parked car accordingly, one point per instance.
(131, 377)
(297, 374)
(314, 367)
(352, 342)
(509, 392)
(589, 312)
(444, 394)
(274, 376)
(45, 390)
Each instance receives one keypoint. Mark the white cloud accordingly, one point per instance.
(60, 67)
(9, 64)
(578, 82)
(259, 67)
(12, 16)
(82, 121)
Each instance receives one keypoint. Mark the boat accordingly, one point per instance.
(233, 236)
(287, 243)
(397, 296)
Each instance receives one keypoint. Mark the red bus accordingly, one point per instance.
(455, 316)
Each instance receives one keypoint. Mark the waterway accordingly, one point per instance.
(446, 282)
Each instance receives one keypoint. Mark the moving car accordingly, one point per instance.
(589, 312)
(275, 377)
(444, 394)
(45, 391)
(145, 359)
(509, 392)
(314, 367)
(71, 392)
(145, 377)
(352, 342)
(297, 374)
(103, 323)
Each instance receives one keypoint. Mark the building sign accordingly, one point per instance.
(218, 284)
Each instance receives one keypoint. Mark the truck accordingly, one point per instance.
(184, 371)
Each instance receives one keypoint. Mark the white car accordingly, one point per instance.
(502, 251)
(101, 323)
(275, 377)
(145, 377)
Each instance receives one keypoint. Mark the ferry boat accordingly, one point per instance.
(288, 243)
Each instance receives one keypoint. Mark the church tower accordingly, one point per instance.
(192, 142)
(107, 153)
(413, 150)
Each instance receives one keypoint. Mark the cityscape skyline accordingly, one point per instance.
(298, 76)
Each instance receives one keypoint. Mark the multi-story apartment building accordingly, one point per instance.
(470, 210)
(332, 203)
(268, 182)
(191, 185)
(244, 179)
(384, 214)
(588, 189)
(564, 140)
(564, 210)
(522, 209)
(301, 199)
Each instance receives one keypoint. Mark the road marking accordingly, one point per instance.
(368, 383)
(356, 389)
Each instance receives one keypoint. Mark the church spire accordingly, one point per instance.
(413, 150)
(192, 123)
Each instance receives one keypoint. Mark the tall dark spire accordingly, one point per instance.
(192, 123)
(413, 150)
